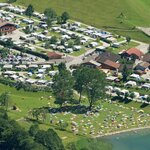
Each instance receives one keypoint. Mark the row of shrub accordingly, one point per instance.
(24, 86)
(26, 50)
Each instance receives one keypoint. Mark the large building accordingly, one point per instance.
(6, 27)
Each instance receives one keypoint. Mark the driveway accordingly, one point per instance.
(16, 35)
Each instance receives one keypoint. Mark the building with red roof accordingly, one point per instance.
(6, 27)
(133, 52)
(108, 64)
(54, 55)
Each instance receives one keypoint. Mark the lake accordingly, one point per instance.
(139, 140)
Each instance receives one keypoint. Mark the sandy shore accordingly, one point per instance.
(123, 131)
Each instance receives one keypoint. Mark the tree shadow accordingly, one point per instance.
(127, 101)
(77, 109)
(144, 105)
(72, 101)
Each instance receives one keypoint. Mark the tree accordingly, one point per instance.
(96, 87)
(12, 136)
(128, 39)
(59, 20)
(19, 85)
(47, 44)
(77, 41)
(132, 95)
(63, 86)
(148, 99)
(126, 95)
(28, 29)
(62, 125)
(62, 41)
(4, 52)
(62, 67)
(64, 17)
(35, 113)
(118, 93)
(43, 113)
(49, 139)
(70, 44)
(29, 11)
(5, 100)
(34, 130)
(39, 112)
(49, 22)
(9, 43)
(50, 13)
(81, 79)
(125, 73)
(53, 40)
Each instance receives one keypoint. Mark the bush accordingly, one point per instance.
(24, 86)
(26, 50)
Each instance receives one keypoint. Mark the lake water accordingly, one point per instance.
(131, 140)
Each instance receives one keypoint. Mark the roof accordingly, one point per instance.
(53, 54)
(111, 78)
(134, 51)
(146, 57)
(93, 63)
(144, 64)
(3, 23)
(135, 76)
(112, 64)
(107, 56)
(131, 83)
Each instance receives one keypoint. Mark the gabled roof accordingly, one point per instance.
(112, 64)
(92, 62)
(144, 64)
(134, 51)
(53, 54)
(107, 56)
(146, 57)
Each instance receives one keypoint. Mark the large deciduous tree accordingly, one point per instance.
(64, 17)
(63, 85)
(96, 87)
(50, 15)
(81, 79)
(49, 139)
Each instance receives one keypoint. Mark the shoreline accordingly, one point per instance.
(123, 131)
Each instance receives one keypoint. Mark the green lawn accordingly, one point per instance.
(102, 13)
(78, 53)
(26, 101)
(125, 47)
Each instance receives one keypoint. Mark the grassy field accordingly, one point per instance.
(25, 101)
(78, 53)
(102, 13)
(125, 47)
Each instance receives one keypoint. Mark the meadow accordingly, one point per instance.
(88, 124)
(118, 16)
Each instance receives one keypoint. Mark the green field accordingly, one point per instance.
(25, 101)
(102, 13)
(121, 48)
